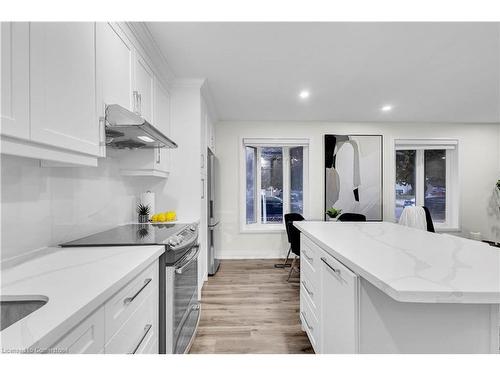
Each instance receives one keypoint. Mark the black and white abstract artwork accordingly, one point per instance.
(353, 174)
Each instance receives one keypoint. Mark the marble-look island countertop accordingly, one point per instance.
(76, 281)
(412, 265)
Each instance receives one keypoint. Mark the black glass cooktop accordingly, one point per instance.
(130, 235)
(137, 235)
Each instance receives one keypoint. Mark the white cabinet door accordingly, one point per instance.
(339, 307)
(86, 337)
(115, 58)
(144, 85)
(15, 79)
(162, 122)
(63, 86)
(211, 134)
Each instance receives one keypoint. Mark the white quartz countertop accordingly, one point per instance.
(412, 265)
(76, 282)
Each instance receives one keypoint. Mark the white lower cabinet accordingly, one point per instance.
(339, 307)
(140, 329)
(127, 323)
(86, 338)
(329, 308)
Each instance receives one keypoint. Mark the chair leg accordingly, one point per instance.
(285, 264)
(287, 256)
(292, 268)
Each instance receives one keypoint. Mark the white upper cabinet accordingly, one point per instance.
(162, 121)
(144, 87)
(115, 58)
(63, 86)
(210, 134)
(15, 79)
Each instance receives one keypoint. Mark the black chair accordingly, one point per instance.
(428, 219)
(348, 216)
(293, 235)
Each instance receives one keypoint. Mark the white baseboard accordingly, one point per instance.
(242, 254)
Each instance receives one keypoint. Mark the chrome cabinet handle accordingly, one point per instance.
(147, 328)
(307, 289)
(336, 270)
(140, 103)
(158, 155)
(307, 323)
(128, 300)
(307, 256)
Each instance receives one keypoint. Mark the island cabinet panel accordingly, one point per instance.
(389, 326)
(342, 312)
(339, 307)
(310, 298)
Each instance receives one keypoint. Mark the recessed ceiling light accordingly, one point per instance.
(304, 94)
(386, 108)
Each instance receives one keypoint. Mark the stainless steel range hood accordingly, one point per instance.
(126, 129)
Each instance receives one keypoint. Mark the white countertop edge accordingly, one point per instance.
(55, 333)
(414, 296)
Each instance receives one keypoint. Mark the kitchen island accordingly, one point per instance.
(379, 287)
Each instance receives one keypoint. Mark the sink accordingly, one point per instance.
(15, 308)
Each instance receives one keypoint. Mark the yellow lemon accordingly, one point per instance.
(161, 217)
(154, 218)
(171, 216)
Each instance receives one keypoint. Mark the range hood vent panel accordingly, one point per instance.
(126, 129)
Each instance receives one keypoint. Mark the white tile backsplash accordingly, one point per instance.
(46, 206)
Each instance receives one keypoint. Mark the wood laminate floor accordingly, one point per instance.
(249, 307)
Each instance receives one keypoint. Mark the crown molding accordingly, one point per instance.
(150, 48)
(209, 100)
(188, 83)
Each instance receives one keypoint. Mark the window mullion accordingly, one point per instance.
(286, 179)
(420, 178)
(258, 192)
(448, 205)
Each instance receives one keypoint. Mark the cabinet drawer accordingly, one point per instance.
(310, 291)
(337, 267)
(307, 271)
(310, 322)
(138, 331)
(86, 337)
(123, 304)
(309, 252)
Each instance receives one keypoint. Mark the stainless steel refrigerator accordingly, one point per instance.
(213, 218)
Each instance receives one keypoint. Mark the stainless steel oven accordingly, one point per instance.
(178, 275)
(182, 305)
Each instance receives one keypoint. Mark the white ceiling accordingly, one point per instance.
(429, 72)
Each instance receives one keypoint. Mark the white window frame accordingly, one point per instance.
(286, 144)
(452, 222)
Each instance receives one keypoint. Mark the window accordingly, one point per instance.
(273, 182)
(426, 175)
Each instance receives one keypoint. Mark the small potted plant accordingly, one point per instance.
(143, 212)
(333, 213)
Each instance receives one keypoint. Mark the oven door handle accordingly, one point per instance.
(186, 264)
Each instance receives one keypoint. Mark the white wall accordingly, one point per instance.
(479, 168)
(46, 206)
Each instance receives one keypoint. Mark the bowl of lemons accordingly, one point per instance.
(162, 217)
